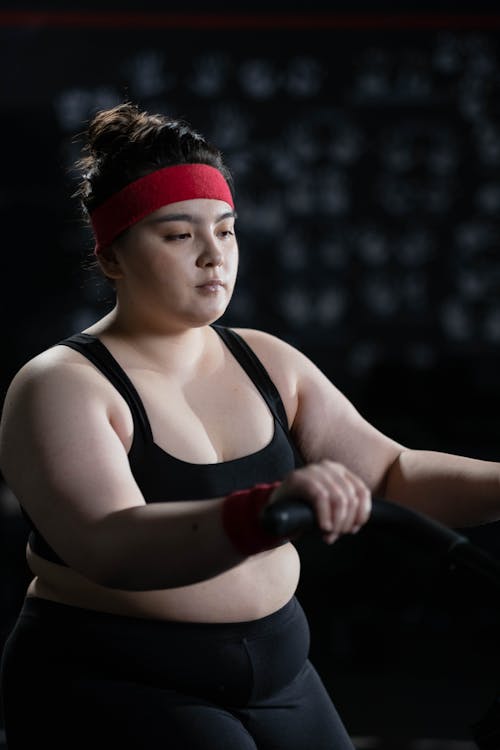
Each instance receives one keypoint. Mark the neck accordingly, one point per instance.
(173, 348)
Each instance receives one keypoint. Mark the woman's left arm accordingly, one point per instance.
(456, 490)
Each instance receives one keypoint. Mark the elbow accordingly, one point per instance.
(97, 570)
(111, 571)
(137, 577)
(121, 579)
(109, 558)
(111, 576)
(121, 582)
(99, 563)
(129, 572)
(124, 573)
(384, 487)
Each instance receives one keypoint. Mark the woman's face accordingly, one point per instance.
(180, 262)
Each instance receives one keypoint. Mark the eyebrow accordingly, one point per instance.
(191, 218)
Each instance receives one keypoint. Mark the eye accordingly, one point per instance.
(176, 237)
(226, 233)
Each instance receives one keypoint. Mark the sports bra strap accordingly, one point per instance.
(95, 351)
(256, 371)
(92, 348)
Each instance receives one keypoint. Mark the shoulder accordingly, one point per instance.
(288, 364)
(267, 344)
(56, 367)
(296, 375)
(47, 384)
(277, 354)
(283, 362)
(58, 408)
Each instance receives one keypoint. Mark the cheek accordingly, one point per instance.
(157, 267)
(233, 259)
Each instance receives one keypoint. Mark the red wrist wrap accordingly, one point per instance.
(240, 519)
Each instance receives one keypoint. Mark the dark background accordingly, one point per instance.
(365, 144)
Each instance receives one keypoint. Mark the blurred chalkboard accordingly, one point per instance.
(367, 170)
(366, 164)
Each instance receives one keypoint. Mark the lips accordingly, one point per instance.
(211, 283)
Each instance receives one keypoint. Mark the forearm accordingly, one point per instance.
(455, 490)
(164, 545)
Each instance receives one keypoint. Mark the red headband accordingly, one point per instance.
(182, 182)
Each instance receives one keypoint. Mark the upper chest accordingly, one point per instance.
(216, 415)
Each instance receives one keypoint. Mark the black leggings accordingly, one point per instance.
(74, 678)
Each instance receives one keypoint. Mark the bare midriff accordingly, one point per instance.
(258, 586)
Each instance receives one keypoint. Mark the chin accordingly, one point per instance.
(206, 319)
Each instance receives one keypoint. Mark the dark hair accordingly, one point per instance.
(124, 143)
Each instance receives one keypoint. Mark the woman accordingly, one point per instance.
(142, 451)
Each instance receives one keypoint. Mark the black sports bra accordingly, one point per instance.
(164, 478)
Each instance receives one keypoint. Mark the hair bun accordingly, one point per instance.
(124, 143)
(111, 130)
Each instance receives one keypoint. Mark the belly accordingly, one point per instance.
(257, 587)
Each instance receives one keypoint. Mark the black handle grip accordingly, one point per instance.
(289, 517)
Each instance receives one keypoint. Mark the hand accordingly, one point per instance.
(340, 499)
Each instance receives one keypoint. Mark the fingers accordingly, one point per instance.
(341, 500)
(364, 503)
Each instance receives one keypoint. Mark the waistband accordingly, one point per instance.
(54, 613)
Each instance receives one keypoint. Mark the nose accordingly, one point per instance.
(210, 254)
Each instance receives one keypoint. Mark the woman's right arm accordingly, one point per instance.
(63, 454)
(68, 467)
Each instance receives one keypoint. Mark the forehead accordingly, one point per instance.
(195, 210)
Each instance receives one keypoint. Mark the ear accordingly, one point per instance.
(109, 262)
